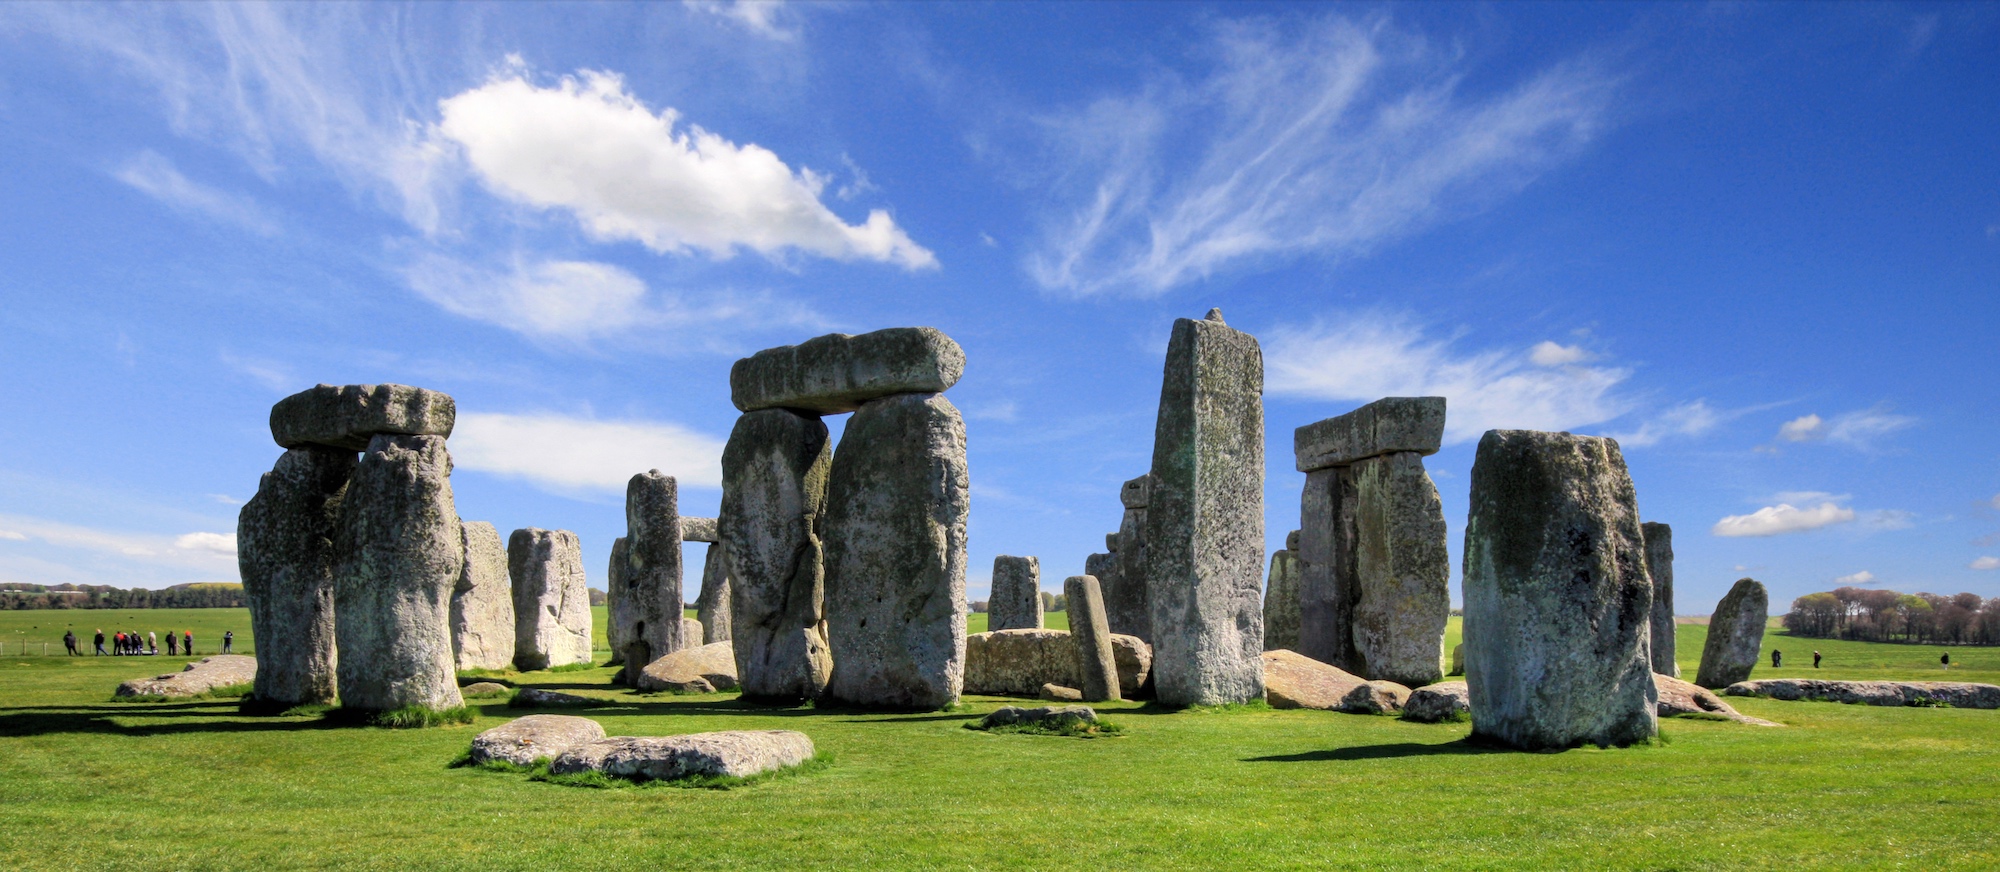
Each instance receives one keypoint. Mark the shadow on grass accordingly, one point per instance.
(21, 724)
(1384, 752)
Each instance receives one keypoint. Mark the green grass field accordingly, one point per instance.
(85, 782)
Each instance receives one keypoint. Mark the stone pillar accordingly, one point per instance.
(1096, 663)
(1557, 599)
(1205, 518)
(285, 554)
(1125, 600)
(897, 500)
(482, 604)
(552, 618)
(711, 606)
(653, 604)
(1281, 598)
(1735, 635)
(618, 619)
(1326, 569)
(1016, 601)
(401, 556)
(1660, 565)
(774, 472)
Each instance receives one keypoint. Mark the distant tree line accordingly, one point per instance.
(1889, 616)
(1051, 602)
(21, 597)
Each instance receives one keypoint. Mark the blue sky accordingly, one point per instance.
(1758, 244)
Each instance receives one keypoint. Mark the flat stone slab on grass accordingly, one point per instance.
(837, 372)
(522, 741)
(701, 669)
(1437, 703)
(1293, 680)
(1009, 716)
(1375, 698)
(730, 753)
(535, 697)
(1957, 694)
(348, 416)
(199, 677)
(1059, 693)
(483, 688)
(1679, 697)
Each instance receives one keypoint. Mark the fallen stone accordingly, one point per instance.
(1375, 698)
(1096, 661)
(1660, 566)
(774, 471)
(703, 669)
(1019, 662)
(897, 501)
(1957, 694)
(350, 416)
(1557, 600)
(551, 599)
(1058, 693)
(698, 530)
(285, 556)
(651, 602)
(711, 605)
(1016, 600)
(1387, 426)
(1293, 680)
(524, 740)
(730, 753)
(1402, 582)
(482, 603)
(402, 555)
(1281, 603)
(202, 676)
(483, 689)
(1679, 697)
(1205, 519)
(1438, 703)
(535, 697)
(838, 373)
(1735, 634)
(1007, 716)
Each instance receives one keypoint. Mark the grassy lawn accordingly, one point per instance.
(87, 782)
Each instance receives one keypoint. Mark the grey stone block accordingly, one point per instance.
(551, 599)
(1096, 664)
(712, 606)
(482, 603)
(400, 558)
(1660, 566)
(1327, 571)
(649, 617)
(774, 472)
(1137, 493)
(697, 529)
(285, 555)
(1281, 603)
(350, 415)
(838, 372)
(1402, 571)
(1016, 601)
(1735, 634)
(1386, 426)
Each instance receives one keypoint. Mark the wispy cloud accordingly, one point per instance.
(155, 175)
(1985, 563)
(269, 373)
(1783, 518)
(198, 549)
(1862, 429)
(1324, 139)
(1366, 357)
(1862, 577)
(1686, 419)
(771, 19)
(570, 455)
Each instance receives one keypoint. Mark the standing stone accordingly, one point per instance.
(285, 555)
(1660, 565)
(1403, 571)
(838, 373)
(711, 606)
(897, 501)
(1205, 518)
(1557, 600)
(653, 604)
(618, 604)
(1126, 603)
(1326, 569)
(482, 604)
(1735, 633)
(1016, 602)
(1096, 662)
(1281, 598)
(774, 472)
(551, 602)
(401, 556)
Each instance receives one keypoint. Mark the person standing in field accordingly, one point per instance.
(187, 643)
(228, 638)
(1815, 659)
(1945, 660)
(173, 645)
(152, 642)
(69, 643)
(100, 644)
(1776, 657)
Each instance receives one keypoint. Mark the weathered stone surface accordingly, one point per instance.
(897, 500)
(349, 416)
(774, 472)
(1016, 601)
(551, 600)
(1387, 426)
(1375, 698)
(618, 626)
(1957, 694)
(1679, 697)
(1293, 680)
(1438, 703)
(698, 529)
(1557, 599)
(1018, 662)
(1660, 566)
(691, 629)
(1205, 519)
(1096, 662)
(199, 677)
(1292, 541)
(732, 753)
(701, 669)
(1735, 633)
(401, 556)
(1007, 716)
(482, 603)
(650, 602)
(1059, 693)
(1458, 659)
(285, 556)
(1111, 542)
(1137, 493)
(535, 697)
(1402, 571)
(479, 689)
(1327, 571)
(1281, 603)
(838, 373)
(711, 605)
(522, 741)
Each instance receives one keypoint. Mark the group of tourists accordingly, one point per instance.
(134, 645)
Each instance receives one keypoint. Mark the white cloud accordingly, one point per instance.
(154, 175)
(1547, 353)
(579, 454)
(763, 17)
(588, 146)
(1323, 139)
(225, 499)
(1783, 518)
(1859, 429)
(1367, 357)
(1803, 429)
(205, 550)
(1686, 419)
(1985, 563)
(1862, 577)
(216, 543)
(13, 536)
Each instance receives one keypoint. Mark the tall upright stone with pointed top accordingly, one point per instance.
(401, 556)
(552, 618)
(1281, 598)
(1660, 566)
(1016, 600)
(774, 472)
(650, 603)
(1205, 518)
(285, 552)
(1557, 599)
(482, 604)
(1097, 664)
(1735, 635)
